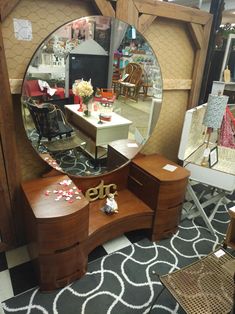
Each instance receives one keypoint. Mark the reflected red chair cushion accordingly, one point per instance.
(31, 89)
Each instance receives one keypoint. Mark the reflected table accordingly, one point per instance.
(100, 133)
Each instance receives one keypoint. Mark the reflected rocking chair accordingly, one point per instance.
(131, 85)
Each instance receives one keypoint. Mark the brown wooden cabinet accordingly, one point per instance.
(62, 234)
(56, 231)
(161, 190)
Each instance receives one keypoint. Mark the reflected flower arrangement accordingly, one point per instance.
(83, 89)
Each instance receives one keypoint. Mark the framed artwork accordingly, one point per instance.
(213, 157)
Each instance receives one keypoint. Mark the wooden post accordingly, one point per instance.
(7, 131)
(200, 58)
(6, 7)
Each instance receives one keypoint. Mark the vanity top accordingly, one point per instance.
(161, 168)
(53, 197)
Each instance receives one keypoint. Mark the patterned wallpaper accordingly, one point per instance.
(169, 40)
(45, 16)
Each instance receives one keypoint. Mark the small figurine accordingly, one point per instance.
(111, 205)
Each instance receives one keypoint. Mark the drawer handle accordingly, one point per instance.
(67, 248)
(137, 181)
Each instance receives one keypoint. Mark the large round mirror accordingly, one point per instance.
(92, 87)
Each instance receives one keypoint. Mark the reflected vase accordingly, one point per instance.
(86, 113)
(85, 106)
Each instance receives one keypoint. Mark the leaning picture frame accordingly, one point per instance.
(213, 157)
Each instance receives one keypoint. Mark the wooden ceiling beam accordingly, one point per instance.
(105, 7)
(144, 22)
(127, 12)
(172, 11)
(6, 6)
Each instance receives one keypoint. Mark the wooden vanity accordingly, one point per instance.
(61, 234)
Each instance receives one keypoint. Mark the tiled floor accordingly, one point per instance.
(16, 270)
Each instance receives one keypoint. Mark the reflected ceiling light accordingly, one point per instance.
(133, 33)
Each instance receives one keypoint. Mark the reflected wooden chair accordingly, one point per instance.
(205, 286)
(49, 121)
(146, 84)
(131, 86)
(125, 75)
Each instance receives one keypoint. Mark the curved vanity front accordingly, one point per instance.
(63, 227)
(56, 230)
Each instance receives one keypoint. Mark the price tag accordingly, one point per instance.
(132, 145)
(170, 168)
(219, 253)
(206, 152)
(232, 209)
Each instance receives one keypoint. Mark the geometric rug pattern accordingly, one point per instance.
(125, 281)
(71, 161)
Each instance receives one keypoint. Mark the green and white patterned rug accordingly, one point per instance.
(125, 281)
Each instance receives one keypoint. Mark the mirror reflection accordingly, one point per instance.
(93, 87)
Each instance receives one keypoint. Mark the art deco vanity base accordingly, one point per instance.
(62, 233)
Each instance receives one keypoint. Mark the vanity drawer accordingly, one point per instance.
(172, 194)
(63, 233)
(166, 222)
(143, 185)
(61, 268)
